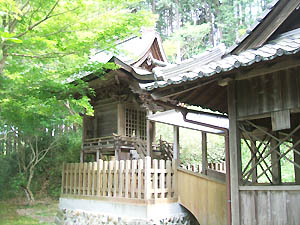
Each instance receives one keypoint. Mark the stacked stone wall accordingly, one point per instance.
(80, 217)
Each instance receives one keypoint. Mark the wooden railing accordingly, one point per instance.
(97, 143)
(197, 168)
(166, 149)
(220, 167)
(142, 179)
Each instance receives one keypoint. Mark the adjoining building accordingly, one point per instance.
(257, 85)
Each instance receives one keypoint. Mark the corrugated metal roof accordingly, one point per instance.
(285, 44)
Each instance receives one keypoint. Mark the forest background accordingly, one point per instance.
(40, 123)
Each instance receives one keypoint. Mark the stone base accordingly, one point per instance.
(93, 212)
(78, 217)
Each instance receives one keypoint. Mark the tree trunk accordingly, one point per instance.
(27, 189)
(153, 6)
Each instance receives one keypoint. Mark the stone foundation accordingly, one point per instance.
(72, 217)
(94, 212)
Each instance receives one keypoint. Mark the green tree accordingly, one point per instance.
(42, 44)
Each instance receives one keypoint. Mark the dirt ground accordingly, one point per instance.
(42, 212)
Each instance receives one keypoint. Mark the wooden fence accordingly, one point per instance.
(143, 179)
(197, 168)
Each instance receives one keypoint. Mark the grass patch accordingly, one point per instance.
(42, 213)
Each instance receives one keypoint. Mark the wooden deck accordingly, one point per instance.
(149, 181)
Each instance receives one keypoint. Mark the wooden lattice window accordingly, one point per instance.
(142, 125)
(135, 123)
(267, 156)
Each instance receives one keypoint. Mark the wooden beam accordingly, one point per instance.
(281, 120)
(204, 153)
(176, 153)
(235, 153)
(268, 26)
(179, 89)
(224, 82)
(281, 63)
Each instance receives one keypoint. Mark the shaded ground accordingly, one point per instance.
(16, 213)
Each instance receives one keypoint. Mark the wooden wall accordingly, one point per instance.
(106, 116)
(268, 93)
(270, 207)
(104, 122)
(204, 197)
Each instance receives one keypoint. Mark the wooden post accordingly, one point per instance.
(155, 178)
(99, 178)
(149, 136)
(297, 158)
(97, 155)
(235, 153)
(121, 119)
(254, 161)
(127, 178)
(62, 178)
(140, 168)
(276, 168)
(204, 152)
(176, 153)
(95, 121)
(116, 178)
(162, 177)
(81, 156)
(147, 184)
(80, 178)
(174, 182)
(121, 174)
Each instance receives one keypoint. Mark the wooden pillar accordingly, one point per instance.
(176, 154)
(297, 158)
(149, 135)
(276, 168)
(95, 131)
(235, 153)
(81, 156)
(97, 155)
(121, 119)
(254, 161)
(204, 152)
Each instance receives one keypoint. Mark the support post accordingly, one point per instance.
(149, 135)
(121, 119)
(254, 150)
(204, 152)
(235, 153)
(176, 153)
(276, 169)
(81, 156)
(297, 158)
(97, 155)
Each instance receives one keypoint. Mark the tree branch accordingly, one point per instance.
(46, 55)
(48, 16)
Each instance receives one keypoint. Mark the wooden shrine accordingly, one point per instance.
(119, 127)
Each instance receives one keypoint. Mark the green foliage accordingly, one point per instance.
(190, 144)
(193, 39)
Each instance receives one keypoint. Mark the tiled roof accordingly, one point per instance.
(259, 20)
(285, 44)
